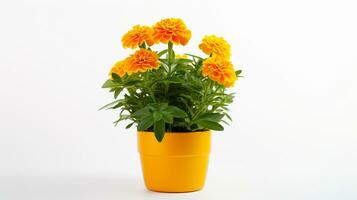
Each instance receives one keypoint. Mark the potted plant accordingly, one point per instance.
(174, 100)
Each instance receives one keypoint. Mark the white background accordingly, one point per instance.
(294, 133)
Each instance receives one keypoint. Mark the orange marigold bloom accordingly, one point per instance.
(141, 61)
(137, 35)
(171, 29)
(119, 68)
(214, 45)
(220, 70)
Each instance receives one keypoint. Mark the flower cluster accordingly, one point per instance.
(173, 30)
(168, 30)
(218, 67)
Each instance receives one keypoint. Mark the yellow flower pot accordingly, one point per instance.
(177, 164)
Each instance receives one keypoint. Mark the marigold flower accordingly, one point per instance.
(141, 61)
(119, 69)
(171, 29)
(220, 70)
(137, 35)
(214, 45)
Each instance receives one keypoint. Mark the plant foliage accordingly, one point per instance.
(175, 97)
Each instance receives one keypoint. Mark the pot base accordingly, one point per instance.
(174, 174)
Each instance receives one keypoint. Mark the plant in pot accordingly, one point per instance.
(174, 100)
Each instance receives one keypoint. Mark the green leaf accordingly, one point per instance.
(157, 116)
(110, 104)
(116, 78)
(165, 66)
(193, 56)
(146, 123)
(177, 79)
(182, 60)
(216, 117)
(210, 125)
(141, 113)
(173, 66)
(162, 53)
(229, 117)
(189, 97)
(238, 72)
(129, 125)
(108, 84)
(117, 92)
(164, 61)
(159, 130)
(168, 118)
(119, 104)
(131, 82)
(184, 68)
(143, 45)
(158, 106)
(225, 122)
(176, 112)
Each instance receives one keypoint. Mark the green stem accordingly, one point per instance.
(202, 107)
(170, 52)
(170, 55)
(151, 94)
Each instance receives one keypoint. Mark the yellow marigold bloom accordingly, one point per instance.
(119, 68)
(181, 56)
(141, 61)
(214, 45)
(137, 35)
(171, 29)
(220, 70)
